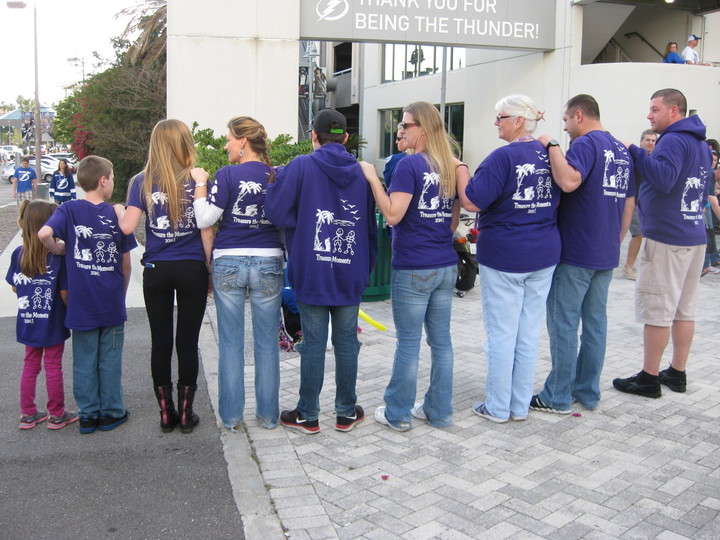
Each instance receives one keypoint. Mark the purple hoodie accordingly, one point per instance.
(327, 209)
(673, 193)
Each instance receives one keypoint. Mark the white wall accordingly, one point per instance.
(228, 58)
(624, 108)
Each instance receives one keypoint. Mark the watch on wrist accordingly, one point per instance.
(201, 184)
(553, 142)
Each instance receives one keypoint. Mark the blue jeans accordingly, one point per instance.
(234, 278)
(314, 321)
(97, 371)
(576, 294)
(512, 312)
(421, 297)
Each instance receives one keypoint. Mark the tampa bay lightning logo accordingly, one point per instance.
(63, 184)
(331, 10)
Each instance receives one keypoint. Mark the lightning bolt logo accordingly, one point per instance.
(331, 10)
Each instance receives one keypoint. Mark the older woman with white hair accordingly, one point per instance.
(517, 249)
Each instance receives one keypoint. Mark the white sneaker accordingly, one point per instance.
(382, 419)
(418, 411)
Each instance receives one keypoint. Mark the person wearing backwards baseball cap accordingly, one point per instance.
(689, 53)
(327, 209)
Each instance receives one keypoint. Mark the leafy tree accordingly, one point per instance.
(113, 112)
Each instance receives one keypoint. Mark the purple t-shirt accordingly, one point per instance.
(41, 311)
(423, 238)
(519, 200)
(590, 218)
(94, 246)
(163, 243)
(240, 191)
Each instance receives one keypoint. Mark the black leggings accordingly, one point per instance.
(189, 280)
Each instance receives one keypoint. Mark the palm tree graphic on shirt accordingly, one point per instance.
(82, 231)
(521, 171)
(323, 216)
(690, 183)
(429, 179)
(611, 180)
(245, 188)
(159, 197)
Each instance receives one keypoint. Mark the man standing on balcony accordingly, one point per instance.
(689, 53)
(594, 177)
(673, 195)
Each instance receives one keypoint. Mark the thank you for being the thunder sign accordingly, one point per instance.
(524, 24)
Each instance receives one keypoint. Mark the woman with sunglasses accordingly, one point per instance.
(423, 209)
(517, 249)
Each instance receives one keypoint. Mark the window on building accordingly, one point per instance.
(389, 119)
(408, 61)
(343, 56)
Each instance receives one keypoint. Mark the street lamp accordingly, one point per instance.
(311, 54)
(38, 131)
(75, 61)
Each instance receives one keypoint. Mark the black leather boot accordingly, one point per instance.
(188, 419)
(168, 414)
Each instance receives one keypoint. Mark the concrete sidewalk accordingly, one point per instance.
(635, 468)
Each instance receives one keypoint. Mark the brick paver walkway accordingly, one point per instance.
(635, 468)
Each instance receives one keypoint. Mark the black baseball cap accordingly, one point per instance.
(329, 121)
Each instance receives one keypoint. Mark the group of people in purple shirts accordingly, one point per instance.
(550, 227)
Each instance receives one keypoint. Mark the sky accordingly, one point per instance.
(66, 29)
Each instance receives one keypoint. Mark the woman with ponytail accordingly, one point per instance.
(247, 261)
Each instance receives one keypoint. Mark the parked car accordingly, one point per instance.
(69, 156)
(7, 172)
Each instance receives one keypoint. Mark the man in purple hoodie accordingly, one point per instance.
(325, 205)
(672, 199)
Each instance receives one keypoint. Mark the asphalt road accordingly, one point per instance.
(131, 483)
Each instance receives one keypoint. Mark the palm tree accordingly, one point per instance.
(150, 19)
(323, 216)
(248, 187)
(429, 179)
(690, 183)
(609, 157)
(522, 171)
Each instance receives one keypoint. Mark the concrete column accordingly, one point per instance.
(228, 58)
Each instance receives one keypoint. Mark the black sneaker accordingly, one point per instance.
(640, 385)
(108, 423)
(537, 404)
(293, 419)
(88, 425)
(675, 380)
(346, 423)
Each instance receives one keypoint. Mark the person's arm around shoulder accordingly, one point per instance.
(392, 207)
(567, 177)
(283, 194)
(463, 179)
(128, 218)
(46, 236)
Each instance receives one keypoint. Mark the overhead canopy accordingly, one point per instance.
(696, 7)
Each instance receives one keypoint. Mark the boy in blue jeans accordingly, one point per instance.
(98, 273)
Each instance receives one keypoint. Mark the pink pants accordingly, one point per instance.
(53, 379)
